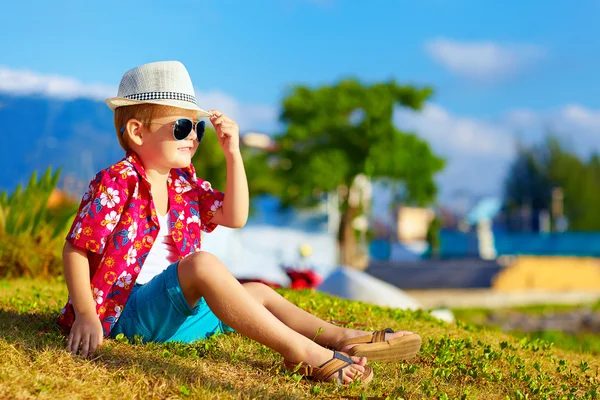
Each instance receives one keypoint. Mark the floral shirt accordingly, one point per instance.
(117, 225)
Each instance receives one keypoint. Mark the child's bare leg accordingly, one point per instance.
(203, 275)
(303, 322)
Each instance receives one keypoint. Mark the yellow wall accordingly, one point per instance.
(549, 273)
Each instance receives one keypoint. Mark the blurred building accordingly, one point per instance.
(413, 222)
(259, 141)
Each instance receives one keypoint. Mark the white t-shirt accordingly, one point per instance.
(162, 254)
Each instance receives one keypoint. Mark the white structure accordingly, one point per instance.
(258, 141)
(259, 251)
(357, 285)
(352, 284)
(485, 239)
(482, 216)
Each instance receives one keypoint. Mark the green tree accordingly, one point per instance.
(210, 165)
(433, 237)
(336, 133)
(538, 169)
(527, 182)
(595, 166)
(209, 161)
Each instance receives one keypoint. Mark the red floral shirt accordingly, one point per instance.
(117, 225)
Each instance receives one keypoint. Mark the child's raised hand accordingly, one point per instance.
(227, 131)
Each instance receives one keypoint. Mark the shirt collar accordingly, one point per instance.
(134, 159)
(188, 171)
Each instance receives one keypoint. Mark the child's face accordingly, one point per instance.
(160, 148)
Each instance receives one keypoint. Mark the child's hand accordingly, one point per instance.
(86, 335)
(227, 131)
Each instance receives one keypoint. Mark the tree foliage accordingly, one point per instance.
(210, 165)
(538, 169)
(336, 133)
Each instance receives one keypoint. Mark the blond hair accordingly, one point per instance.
(144, 113)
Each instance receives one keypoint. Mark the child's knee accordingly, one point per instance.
(201, 263)
(260, 291)
(258, 287)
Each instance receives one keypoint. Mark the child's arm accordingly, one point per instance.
(87, 329)
(234, 212)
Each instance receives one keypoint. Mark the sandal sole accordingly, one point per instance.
(402, 348)
(367, 377)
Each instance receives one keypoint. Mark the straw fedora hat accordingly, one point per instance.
(165, 83)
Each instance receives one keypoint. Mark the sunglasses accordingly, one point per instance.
(182, 128)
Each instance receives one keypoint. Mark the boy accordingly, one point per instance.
(132, 259)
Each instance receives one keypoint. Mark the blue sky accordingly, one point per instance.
(498, 68)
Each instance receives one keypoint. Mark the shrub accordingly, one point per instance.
(31, 234)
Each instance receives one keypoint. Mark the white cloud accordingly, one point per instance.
(24, 82)
(482, 60)
(577, 125)
(450, 133)
(579, 118)
(465, 136)
(248, 116)
(478, 151)
(522, 118)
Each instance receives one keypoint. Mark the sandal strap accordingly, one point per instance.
(338, 362)
(335, 365)
(340, 356)
(379, 336)
(304, 369)
(375, 337)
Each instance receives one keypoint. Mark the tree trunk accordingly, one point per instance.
(346, 238)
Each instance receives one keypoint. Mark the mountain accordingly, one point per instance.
(35, 132)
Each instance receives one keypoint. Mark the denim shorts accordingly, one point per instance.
(158, 312)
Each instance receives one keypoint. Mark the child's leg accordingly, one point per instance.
(203, 275)
(304, 322)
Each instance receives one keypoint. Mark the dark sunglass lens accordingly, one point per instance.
(200, 126)
(182, 128)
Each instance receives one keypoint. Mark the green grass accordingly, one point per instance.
(584, 342)
(537, 309)
(456, 361)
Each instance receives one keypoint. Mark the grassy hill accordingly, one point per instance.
(457, 360)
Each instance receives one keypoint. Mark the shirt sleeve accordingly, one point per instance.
(99, 213)
(210, 202)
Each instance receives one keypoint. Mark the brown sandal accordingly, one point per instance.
(325, 371)
(376, 348)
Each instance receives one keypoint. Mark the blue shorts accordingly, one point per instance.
(158, 312)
